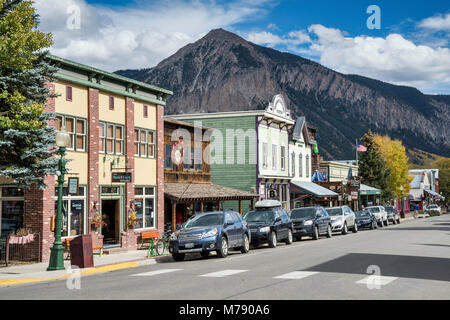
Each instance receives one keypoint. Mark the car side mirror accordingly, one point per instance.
(277, 219)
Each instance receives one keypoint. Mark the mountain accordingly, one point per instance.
(224, 72)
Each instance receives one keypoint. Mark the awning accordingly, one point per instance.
(314, 189)
(434, 194)
(368, 190)
(196, 192)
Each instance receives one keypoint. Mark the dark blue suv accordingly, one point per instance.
(311, 221)
(210, 231)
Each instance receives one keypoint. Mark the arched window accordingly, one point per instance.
(307, 166)
(293, 164)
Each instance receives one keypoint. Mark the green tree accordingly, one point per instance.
(25, 138)
(372, 167)
(443, 165)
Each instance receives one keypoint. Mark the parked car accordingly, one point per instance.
(433, 210)
(342, 219)
(392, 214)
(380, 214)
(311, 221)
(366, 219)
(210, 231)
(269, 223)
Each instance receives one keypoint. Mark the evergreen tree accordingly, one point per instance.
(372, 167)
(26, 140)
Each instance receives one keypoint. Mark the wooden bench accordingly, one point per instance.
(148, 235)
(67, 245)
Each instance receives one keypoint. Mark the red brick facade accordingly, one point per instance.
(160, 167)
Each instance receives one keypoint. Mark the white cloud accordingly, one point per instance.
(268, 38)
(393, 59)
(437, 23)
(139, 36)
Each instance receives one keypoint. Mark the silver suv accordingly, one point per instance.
(342, 219)
(380, 214)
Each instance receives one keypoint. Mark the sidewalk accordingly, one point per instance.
(37, 272)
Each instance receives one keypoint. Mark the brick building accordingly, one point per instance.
(116, 129)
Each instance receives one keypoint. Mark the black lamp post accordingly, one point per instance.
(401, 193)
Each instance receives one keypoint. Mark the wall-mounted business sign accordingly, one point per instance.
(73, 186)
(121, 177)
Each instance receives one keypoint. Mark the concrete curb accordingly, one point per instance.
(87, 271)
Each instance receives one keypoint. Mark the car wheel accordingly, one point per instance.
(298, 238)
(381, 224)
(290, 238)
(345, 229)
(246, 247)
(386, 223)
(316, 233)
(398, 220)
(223, 251)
(355, 228)
(178, 256)
(273, 239)
(329, 232)
(205, 254)
(394, 222)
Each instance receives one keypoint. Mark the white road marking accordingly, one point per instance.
(154, 273)
(296, 275)
(377, 280)
(223, 273)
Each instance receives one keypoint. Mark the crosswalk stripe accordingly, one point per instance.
(223, 273)
(296, 275)
(375, 280)
(156, 272)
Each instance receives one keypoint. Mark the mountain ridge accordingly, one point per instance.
(224, 72)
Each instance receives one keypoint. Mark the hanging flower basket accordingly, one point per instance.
(98, 222)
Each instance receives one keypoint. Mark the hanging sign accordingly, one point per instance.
(73, 186)
(355, 182)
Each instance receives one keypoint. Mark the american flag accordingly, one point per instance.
(361, 148)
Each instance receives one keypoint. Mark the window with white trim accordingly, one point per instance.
(300, 165)
(307, 166)
(283, 158)
(76, 128)
(111, 138)
(144, 143)
(144, 206)
(293, 163)
(264, 154)
(274, 157)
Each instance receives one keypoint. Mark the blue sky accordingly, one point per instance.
(411, 48)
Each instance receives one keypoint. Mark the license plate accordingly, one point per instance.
(189, 245)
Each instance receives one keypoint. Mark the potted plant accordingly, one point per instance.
(21, 236)
(97, 221)
(132, 220)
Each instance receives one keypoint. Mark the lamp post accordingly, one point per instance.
(57, 251)
(401, 193)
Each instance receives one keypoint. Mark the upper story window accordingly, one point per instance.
(307, 166)
(264, 154)
(68, 93)
(144, 143)
(111, 138)
(111, 103)
(76, 128)
(145, 111)
(300, 165)
(293, 163)
(274, 156)
(169, 163)
(283, 158)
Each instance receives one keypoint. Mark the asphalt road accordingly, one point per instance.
(413, 261)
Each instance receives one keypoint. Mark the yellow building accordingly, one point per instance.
(116, 130)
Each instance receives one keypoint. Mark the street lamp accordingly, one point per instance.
(401, 192)
(57, 251)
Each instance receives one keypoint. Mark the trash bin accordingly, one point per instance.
(81, 252)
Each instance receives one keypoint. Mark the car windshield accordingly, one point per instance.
(334, 211)
(374, 210)
(205, 220)
(303, 213)
(389, 209)
(259, 216)
(433, 206)
(362, 213)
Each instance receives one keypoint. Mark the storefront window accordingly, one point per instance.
(73, 212)
(144, 206)
(11, 210)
